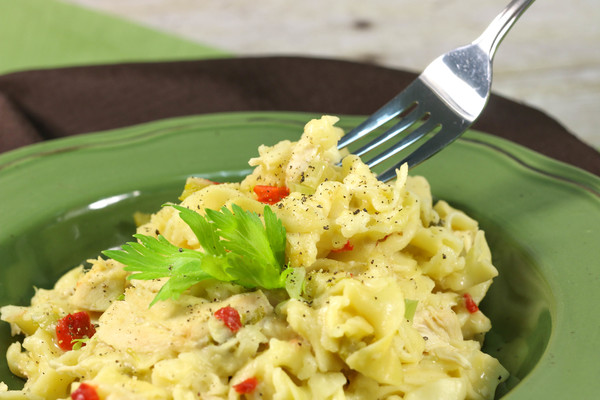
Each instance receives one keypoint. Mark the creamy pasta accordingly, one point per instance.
(388, 311)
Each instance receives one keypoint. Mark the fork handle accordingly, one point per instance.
(499, 27)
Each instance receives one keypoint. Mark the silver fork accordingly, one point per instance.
(447, 97)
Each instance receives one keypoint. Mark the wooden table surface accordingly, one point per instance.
(549, 60)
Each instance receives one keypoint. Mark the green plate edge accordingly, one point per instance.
(550, 209)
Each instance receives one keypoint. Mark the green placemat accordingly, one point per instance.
(48, 33)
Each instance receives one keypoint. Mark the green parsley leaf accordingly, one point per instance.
(410, 307)
(294, 281)
(154, 258)
(78, 343)
(236, 247)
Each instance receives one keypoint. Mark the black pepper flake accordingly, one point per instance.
(326, 227)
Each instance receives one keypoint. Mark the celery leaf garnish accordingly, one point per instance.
(236, 247)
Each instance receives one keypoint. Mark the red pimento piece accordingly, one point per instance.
(347, 247)
(73, 326)
(246, 386)
(230, 317)
(85, 391)
(270, 194)
(470, 304)
(383, 240)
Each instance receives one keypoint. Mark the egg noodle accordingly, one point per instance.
(388, 309)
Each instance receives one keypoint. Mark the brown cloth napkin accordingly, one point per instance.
(46, 104)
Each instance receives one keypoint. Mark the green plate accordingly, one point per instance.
(66, 200)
